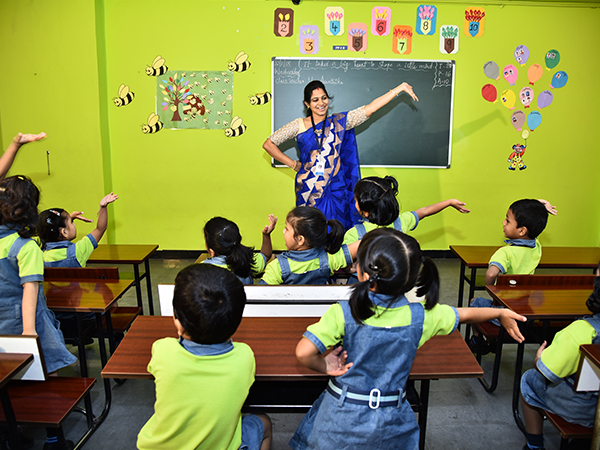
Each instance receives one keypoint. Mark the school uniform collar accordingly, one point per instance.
(217, 260)
(303, 255)
(206, 349)
(521, 242)
(59, 244)
(385, 301)
(7, 230)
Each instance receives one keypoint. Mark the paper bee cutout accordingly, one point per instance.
(240, 63)
(125, 96)
(260, 99)
(237, 128)
(153, 126)
(158, 67)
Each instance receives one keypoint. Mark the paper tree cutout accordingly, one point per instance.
(449, 39)
(334, 21)
(284, 22)
(402, 43)
(357, 37)
(426, 18)
(474, 22)
(381, 18)
(309, 39)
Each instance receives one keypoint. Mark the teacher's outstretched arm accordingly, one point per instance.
(277, 154)
(380, 102)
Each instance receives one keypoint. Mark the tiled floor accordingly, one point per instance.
(461, 414)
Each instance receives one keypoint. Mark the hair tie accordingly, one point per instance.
(54, 212)
(374, 279)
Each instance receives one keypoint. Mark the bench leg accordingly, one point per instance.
(496, 369)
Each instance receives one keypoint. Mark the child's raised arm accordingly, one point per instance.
(103, 216)
(267, 247)
(334, 363)
(430, 210)
(508, 319)
(550, 208)
(9, 155)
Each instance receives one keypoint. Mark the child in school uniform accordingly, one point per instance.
(225, 249)
(57, 231)
(203, 378)
(379, 330)
(313, 253)
(525, 220)
(550, 385)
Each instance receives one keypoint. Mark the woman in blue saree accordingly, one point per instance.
(328, 167)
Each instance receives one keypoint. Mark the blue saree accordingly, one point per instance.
(328, 174)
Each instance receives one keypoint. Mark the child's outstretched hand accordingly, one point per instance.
(336, 362)
(21, 139)
(79, 216)
(459, 206)
(268, 229)
(508, 319)
(108, 199)
(551, 209)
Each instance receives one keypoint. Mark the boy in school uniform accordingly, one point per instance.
(203, 379)
(525, 220)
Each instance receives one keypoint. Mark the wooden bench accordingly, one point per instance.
(568, 430)
(491, 331)
(41, 400)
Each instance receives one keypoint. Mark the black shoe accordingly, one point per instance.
(473, 345)
(56, 445)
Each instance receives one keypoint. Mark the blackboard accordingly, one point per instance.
(404, 133)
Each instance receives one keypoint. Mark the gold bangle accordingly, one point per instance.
(394, 92)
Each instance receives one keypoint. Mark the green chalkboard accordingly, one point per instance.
(404, 133)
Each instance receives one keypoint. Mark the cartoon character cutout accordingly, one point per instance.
(357, 37)
(381, 18)
(334, 21)
(402, 43)
(510, 74)
(449, 39)
(125, 96)
(158, 67)
(426, 18)
(516, 157)
(522, 54)
(474, 22)
(309, 39)
(526, 95)
(240, 64)
(284, 22)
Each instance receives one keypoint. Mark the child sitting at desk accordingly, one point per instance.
(550, 385)
(525, 220)
(203, 379)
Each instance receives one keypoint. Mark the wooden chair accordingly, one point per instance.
(41, 400)
(491, 331)
(568, 430)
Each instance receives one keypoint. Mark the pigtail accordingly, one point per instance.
(429, 283)
(360, 303)
(335, 237)
(223, 237)
(240, 260)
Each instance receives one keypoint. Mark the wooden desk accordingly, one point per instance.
(273, 340)
(477, 257)
(552, 303)
(10, 365)
(591, 358)
(129, 254)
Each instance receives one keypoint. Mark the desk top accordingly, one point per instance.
(84, 296)
(549, 303)
(552, 257)
(273, 340)
(592, 353)
(10, 364)
(122, 254)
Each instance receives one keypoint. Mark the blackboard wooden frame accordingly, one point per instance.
(404, 133)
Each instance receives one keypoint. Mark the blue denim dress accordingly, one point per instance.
(559, 396)
(69, 261)
(55, 353)
(317, 276)
(382, 358)
(220, 261)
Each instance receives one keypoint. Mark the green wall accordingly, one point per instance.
(64, 61)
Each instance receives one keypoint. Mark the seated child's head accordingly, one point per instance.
(376, 199)
(525, 219)
(223, 237)
(307, 227)
(56, 225)
(19, 199)
(208, 303)
(390, 262)
(593, 301)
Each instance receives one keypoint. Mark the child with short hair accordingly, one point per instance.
(314, 252)
(203, 379)
(225, 248)
(549, 386)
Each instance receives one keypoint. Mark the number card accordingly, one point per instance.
(357, 37)
(402, 43)
(474, 22)
(334, 21)
(381, 17)
(309, 39)
(426, 18)
(284, 22)
(449, 39)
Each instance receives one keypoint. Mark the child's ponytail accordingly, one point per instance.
(429, 283)
(360, 303)
(223, 237)
(49, 225)
(335, 236)
(313, 226)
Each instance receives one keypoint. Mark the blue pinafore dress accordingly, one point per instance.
(366, 407)
(71, 259)
(221, 261)
(47, 327)
(317, 276)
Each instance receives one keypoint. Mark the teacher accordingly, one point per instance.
(328, 167)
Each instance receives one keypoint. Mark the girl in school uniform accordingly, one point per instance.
(57, 231)
(314, 253)
(550, 385)
(224, 246)
(23, 308)
(364, 405)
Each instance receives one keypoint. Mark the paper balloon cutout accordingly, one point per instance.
(518, 119)
(559, 79)
(552, 59)
(545, 99)
(526, 95)
(522, 54)
(534, 73)
(510, 74)
(489, 93)
(508, 98)
(525, 134)
(534, 119)
(491, 70)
